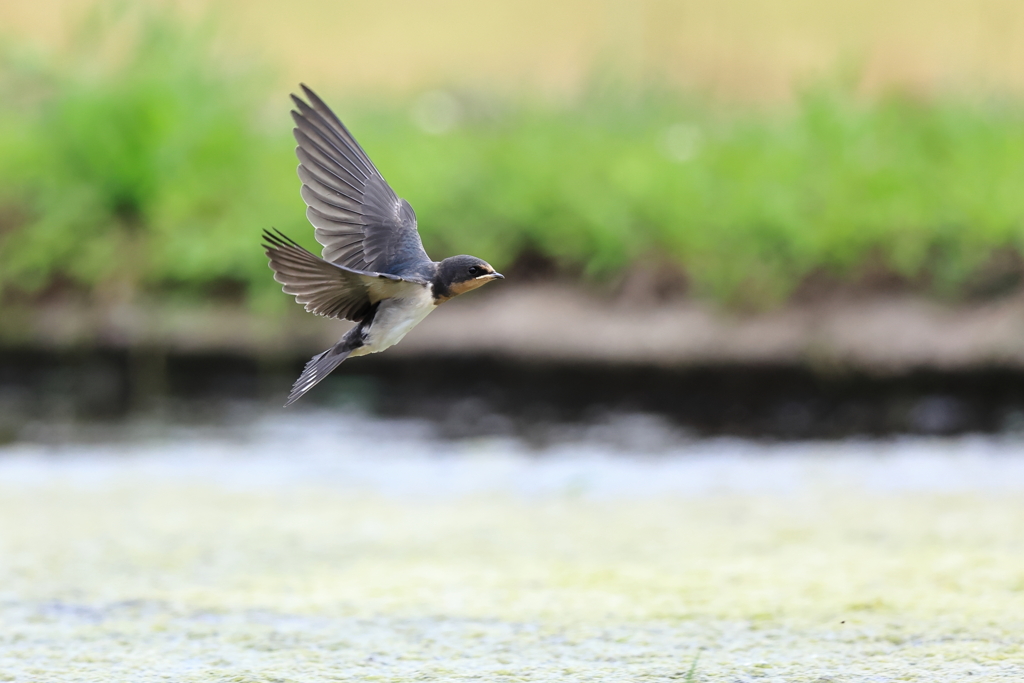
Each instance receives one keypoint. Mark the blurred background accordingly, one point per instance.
(749, 403)
(804, 216)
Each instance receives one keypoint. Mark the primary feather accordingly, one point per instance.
(360, 221)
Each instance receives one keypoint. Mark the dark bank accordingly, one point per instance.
(480, 395)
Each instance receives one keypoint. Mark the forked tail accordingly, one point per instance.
(316, 369)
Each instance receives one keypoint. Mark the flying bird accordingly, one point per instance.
(374, 270)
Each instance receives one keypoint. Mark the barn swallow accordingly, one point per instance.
(374, 270)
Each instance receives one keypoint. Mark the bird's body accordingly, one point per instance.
(395, 318)
(374, 270)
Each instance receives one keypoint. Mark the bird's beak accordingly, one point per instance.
(497, 276)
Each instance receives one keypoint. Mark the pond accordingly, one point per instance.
(247, 543)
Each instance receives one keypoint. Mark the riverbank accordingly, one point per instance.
(872, 334)
(512, 360)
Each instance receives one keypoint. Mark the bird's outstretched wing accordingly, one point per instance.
(326, 288)
(359, 220)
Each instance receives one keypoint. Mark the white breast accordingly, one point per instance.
(394, 318)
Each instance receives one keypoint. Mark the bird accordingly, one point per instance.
(373, 269)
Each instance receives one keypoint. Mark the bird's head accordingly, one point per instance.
(460, 274)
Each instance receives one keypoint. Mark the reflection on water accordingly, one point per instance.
(451, 426)
(621, 455)
(474, 396)
(491, 396)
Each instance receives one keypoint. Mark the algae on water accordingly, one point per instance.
(298, 555)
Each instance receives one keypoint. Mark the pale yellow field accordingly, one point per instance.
(745, 49)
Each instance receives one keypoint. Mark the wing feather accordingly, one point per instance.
(327, 192)
(326, 288)
(339, 131)
(331, 206)
(329, 146)
(360, 221)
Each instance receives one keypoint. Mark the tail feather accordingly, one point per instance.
(316, 369)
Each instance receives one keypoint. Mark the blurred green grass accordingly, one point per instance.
(145, 161)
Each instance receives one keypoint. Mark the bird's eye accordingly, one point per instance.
(475, 270)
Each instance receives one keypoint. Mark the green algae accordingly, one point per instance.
(149, 580)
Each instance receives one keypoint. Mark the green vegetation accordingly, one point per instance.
(144, 160)
(137, 170)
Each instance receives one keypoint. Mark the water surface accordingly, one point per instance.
(324, 545)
